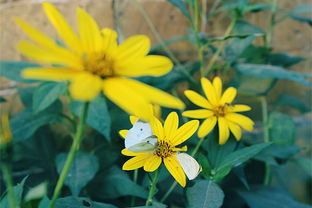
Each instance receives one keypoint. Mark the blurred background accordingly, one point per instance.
(289, 36)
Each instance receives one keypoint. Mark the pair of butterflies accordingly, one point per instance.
(140, 138)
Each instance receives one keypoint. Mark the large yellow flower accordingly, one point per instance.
(169, 136)
(218, 108)
(93, 62)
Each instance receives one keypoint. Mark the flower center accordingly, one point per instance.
(164, 149)
(219, 111)
(99, 64)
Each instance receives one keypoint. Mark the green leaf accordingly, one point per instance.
(272, 72)
(217, 153)
(26, 95)
(254, 86)
(203, 161)
(44, 203)
(116, 183)
(302, 19)
(257, 7)
(305, 163)
(264, 197)
(282, 129)
(37, 192)
(12, 70)
(83, 169)
(75, 202)
(205, 194)
(46, 94)
(25, 123)
(182, 7)
(302, 9)
(292, 101)
(2, 99)
(240, 156)
(237, 46)
(98, 115)
(283, 59)
(18, 192)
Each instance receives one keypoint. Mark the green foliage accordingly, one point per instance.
(282, 129)
(12, 70)
(75, 202)
(205, 194)
(98, 115)
(116, 183)
(18, 191)
(83, 169)
(269, 197)
(182, 7)
(46, 94)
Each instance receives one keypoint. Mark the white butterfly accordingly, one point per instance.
(190, 166)
(140, 138)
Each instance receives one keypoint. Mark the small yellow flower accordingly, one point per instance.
(93, 61)
(169, 136)
(5, 131)
(218, 108)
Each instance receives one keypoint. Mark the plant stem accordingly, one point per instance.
(266, 136)
(151, 193)
(71, 155)
(268, 37)
(161, 42)
(135, 179)
(9, 183)
(174, 184)
(216, 55)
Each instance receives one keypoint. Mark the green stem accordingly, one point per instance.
(73, 150)
(135, 179)
(174, 184)
(268, 37)
(266, 137)
(9, 183)
(151, 193)
(161, 42)
(216, 55)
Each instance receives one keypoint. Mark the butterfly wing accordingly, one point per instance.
(190, 166)
(140, 138)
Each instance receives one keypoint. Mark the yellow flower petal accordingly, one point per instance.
(228, 96)
(85, 87)
(217, 84)
(157, 128)
(171, 125)
(224, 132)
(241, 120)
(153, 95)
(126, 97)
(185, 132)
(175, 169)
(210, 91)
(197, 99)
(48, 56)
(53, 74)
(133, 119)
(123, 133)
(35, 34)
(152, 163)
(206, 126)
(151, 65)
(109, 40)
(236, 130)
(128, 153)
(62, 27)
(90, 35)
(136, 162)
(132, 48)
(202, 113)
(238, 108)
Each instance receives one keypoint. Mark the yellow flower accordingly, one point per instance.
(5, 131)
(218, 108)
(169, 136)
(93, 62)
